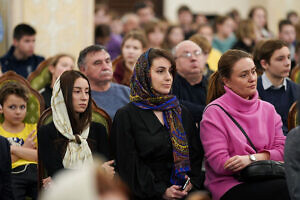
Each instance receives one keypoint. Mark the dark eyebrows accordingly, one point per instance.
(245, 71)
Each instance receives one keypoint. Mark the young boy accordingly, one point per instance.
(22, 138)
(274, 86)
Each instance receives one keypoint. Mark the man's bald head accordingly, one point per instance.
(184, 45)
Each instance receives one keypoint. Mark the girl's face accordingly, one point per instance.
(131, 50)
(176, 35)
(161, 75)
(80, 95)
(156, 37)
(14, 109)
(227, 27)
(64, 63)
(243, 78)
(259, 18)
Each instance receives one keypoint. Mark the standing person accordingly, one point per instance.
(274, 86)
(153, 138)
(71, 139)
(133, 45)
(22, 139)
(59, 64)
(226, 148)
(95, 62)
(20, 57)
(5, 170)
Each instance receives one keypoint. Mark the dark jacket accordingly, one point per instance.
(21, 67)
(144, 154)
(47, 94)
(5, 170)
(192, 97)
(292, 163)
(52, 145)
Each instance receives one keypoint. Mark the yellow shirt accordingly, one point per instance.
(213, 59)
(18, 140)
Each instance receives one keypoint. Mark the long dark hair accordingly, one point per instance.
(225, 65)
(67, 81)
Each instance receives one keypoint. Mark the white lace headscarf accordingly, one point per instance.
(77, 155)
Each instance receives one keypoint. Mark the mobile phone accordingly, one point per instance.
(186, 183)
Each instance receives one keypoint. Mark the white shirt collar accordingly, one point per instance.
(266, 83)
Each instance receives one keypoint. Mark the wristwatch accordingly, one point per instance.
(252, 157)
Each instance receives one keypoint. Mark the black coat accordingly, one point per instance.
(52, 145)
(143, 151)
(5, 170)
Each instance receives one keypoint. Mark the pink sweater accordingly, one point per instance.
(222, 139)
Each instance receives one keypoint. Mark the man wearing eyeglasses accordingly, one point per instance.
(190, 86)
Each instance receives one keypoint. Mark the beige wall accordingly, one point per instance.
(62, 25)
(277, 9)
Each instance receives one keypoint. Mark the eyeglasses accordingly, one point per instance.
(189, 54)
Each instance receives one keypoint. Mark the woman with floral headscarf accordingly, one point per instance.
(154, 140)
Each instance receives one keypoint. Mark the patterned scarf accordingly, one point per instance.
(145, 97)
(77, 155)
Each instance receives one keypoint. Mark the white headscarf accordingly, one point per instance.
(76, 155)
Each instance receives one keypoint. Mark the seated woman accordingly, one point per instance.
(71, 139)
(233, 86)
(133, 45)
(59, 64)
(153, 138)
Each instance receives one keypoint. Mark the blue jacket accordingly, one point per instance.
(21, 67)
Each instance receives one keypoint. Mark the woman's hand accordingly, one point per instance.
(237, 163)
(110, 170)
(174, 192)
(29, 142)
(47, 182)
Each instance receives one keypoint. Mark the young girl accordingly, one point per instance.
(133, 46)
(70, 140)
(22, 138)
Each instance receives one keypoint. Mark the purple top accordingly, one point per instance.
(222, 139)
(114, 46)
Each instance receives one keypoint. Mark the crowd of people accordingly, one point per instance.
(178, 96)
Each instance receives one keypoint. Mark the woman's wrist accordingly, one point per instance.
(263, 156)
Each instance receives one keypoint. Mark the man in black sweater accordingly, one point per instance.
(190, 86)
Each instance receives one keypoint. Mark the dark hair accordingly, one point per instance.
(137, 35)
(291, 13)
(90, 49)
(15, 88)
(67, 80)
(220, 20)
(183, 8)
(268, 48)
(256, 57)
(149, 27)
(141, 5)
(22, 30)
(225, 66)
(166, 43)
(283, 23)
(102, 31)
(158, 53)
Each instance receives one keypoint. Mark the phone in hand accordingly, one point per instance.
(186, 183)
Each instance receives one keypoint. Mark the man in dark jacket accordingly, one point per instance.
(20, 57)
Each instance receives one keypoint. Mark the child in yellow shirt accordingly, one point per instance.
(22, 138)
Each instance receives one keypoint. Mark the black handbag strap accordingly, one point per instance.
(236, 123)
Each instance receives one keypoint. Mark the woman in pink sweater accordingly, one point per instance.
(233, 86)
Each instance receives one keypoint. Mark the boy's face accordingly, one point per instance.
(14, 109)
(25, 45)
(279, 65)
(288, 34)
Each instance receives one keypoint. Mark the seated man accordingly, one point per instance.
(20, 57)
(95, 62)
(190, 85)
(274, 86)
